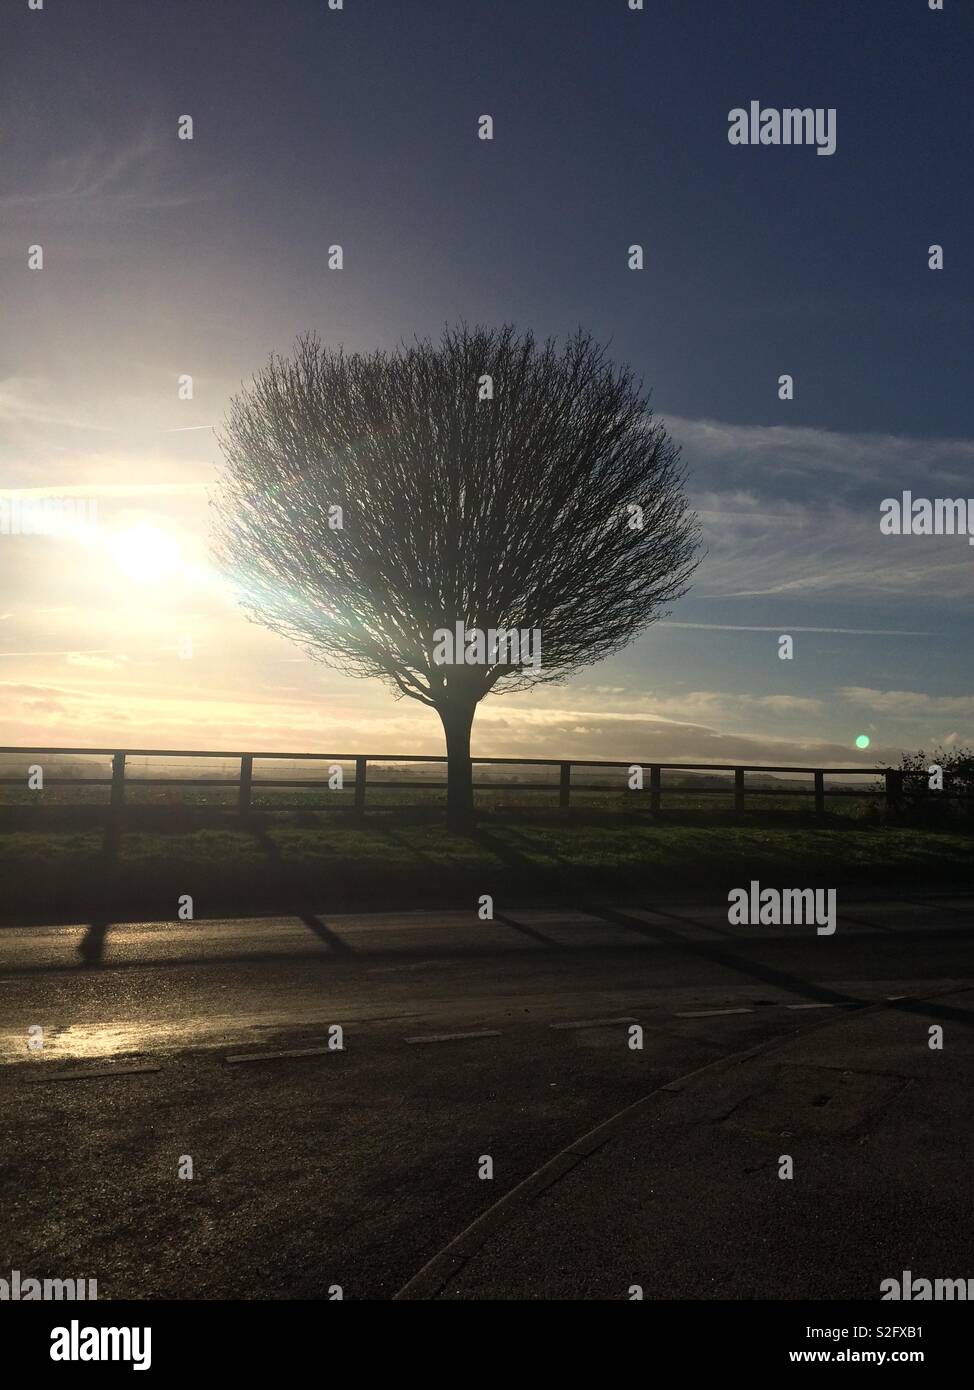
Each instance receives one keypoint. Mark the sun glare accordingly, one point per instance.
(146, 554)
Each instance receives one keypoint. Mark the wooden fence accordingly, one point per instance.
(891, 790)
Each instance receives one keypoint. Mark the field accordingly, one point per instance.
(65, 861)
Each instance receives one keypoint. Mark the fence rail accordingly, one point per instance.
(892, 790)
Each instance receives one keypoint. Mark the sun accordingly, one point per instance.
(146, 553)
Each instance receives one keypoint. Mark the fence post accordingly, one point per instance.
(819, 793)
(738, 790)
(118, 781)
(894, 788)
(565, 785)
(655, 788)
(360, 766)
(246, 778)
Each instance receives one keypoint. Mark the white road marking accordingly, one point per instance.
(711, 1013)
(452, 1037)
(419, 965)
(594, 1023)
(285, 1052)
(44, 1075)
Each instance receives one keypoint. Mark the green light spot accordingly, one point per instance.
(862, 741)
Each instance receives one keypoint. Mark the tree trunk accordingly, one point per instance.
(457, 717)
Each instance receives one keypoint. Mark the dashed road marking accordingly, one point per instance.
(594, 1023)
(273, 1056)
(711, 1013)
(418, 965)
(454, 1037)
(44, 1075)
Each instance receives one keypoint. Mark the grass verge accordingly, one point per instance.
(69, 869)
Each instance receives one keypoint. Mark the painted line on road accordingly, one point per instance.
(234, 1058)
(454, 1037)
(437, 1273)
(96, 1072)
(811, 1006)
(711, 1013)
(594, 1023)
(418, 965)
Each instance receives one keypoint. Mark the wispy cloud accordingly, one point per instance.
(97, 660)
(99, 180)
(794, 511)
(776, 456)
(97, 651)
(850, 631)
(909, 704)
(96, 489)
(27, 400)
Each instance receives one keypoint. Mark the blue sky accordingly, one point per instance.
(359, 126)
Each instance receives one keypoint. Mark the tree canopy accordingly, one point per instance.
(370, 500)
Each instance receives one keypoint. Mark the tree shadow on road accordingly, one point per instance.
(719, 955)
(92, 948)
(324, 933)
(294, 900)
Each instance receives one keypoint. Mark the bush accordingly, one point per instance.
(921, 801)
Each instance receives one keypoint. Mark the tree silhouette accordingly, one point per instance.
(369, 501)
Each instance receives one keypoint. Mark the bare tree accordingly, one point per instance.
(372, 501)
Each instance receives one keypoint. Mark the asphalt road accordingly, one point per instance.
(354, 1167)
